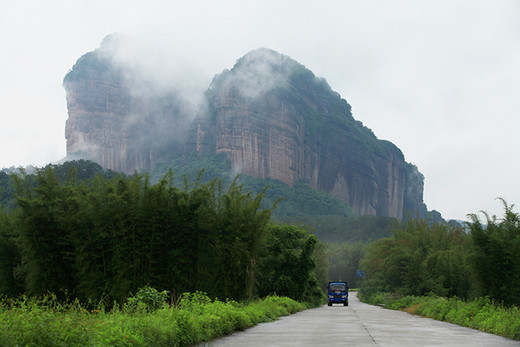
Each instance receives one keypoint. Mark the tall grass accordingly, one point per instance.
(481, 314)
(46, 322)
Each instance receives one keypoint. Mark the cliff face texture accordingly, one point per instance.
(273, 118)
(269, 115)
(115, 124)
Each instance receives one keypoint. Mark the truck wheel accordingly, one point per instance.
(345, 303)
(329, 303)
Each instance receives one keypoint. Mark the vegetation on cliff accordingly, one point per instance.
(126, 122)
(296, 201)
(267, 94)
(93, 66)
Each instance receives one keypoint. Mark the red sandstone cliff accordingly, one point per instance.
(112, 123)
(273, 118)
(269, 115)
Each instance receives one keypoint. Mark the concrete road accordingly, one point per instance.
(359, 325)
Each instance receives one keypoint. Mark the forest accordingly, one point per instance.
(78, 231)
(481, 259)
(468, 276)
(104, 237)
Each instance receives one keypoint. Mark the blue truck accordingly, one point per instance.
(337, 293)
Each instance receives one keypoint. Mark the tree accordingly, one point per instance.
(344, 261)
(496, 255)
(232, 227)
(287, 264)
(94, 238)
(44, 226)
(9, 257)
(106, 237)
(419, 259)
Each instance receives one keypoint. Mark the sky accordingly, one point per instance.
(440, 79)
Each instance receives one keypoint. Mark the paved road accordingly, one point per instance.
(359, 325)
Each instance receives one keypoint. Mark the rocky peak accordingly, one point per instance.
(274, 118)
(269, 115)
(117, 118)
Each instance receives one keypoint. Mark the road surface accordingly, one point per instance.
(359, 325)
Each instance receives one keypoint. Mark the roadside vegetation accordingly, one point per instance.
(119, 260)
(481, 313)
(145, 320)
(203, 259)
(104, 237)
(468, 276)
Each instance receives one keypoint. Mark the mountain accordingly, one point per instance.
(274, 118)
(269, 116)
(119, 118)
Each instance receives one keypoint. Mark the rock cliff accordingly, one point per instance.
(273, 118)
(116, 118)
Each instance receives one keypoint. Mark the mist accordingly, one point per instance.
(259, 71)
(151, 70)
(155, 94)
(439, 79)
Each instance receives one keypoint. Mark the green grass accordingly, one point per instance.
(45, 322)
(481, 314)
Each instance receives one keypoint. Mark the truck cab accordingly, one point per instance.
(337, 293)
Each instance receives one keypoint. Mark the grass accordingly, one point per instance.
(46, 322)
(481, 314)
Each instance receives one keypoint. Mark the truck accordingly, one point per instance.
(337, 293)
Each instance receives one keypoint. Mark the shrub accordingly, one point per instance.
(148, 299)
(197, 318)
(482, 313)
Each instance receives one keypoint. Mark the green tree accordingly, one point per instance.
(344, 261)
(287, 264)
(94, 240)
(174, 250)
(420, 258)
(496, 255)
(44, 226)
(106, 237)
(231, 240)
(9, 257)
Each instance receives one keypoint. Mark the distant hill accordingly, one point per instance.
(268, 117)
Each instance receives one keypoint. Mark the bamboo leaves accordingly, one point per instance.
(109, 236)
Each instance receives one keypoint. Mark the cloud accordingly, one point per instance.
(150, 70)
(440, 79)
(259, 71)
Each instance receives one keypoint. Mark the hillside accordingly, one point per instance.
(273, 118)
(268, 116)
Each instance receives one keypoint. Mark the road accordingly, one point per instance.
(359, 324)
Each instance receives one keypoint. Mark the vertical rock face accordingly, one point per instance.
(113, 124)
(269, 115)
(273, 118)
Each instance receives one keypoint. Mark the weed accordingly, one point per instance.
(482, 313)
(196, 318)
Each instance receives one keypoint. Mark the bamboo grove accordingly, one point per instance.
(103, 238)
(479, 260)
(75, 230)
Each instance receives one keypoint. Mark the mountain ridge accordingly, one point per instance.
(269, 115)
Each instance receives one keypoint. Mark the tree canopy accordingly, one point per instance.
(105, 237)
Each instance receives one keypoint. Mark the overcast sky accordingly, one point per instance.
(440, 79)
